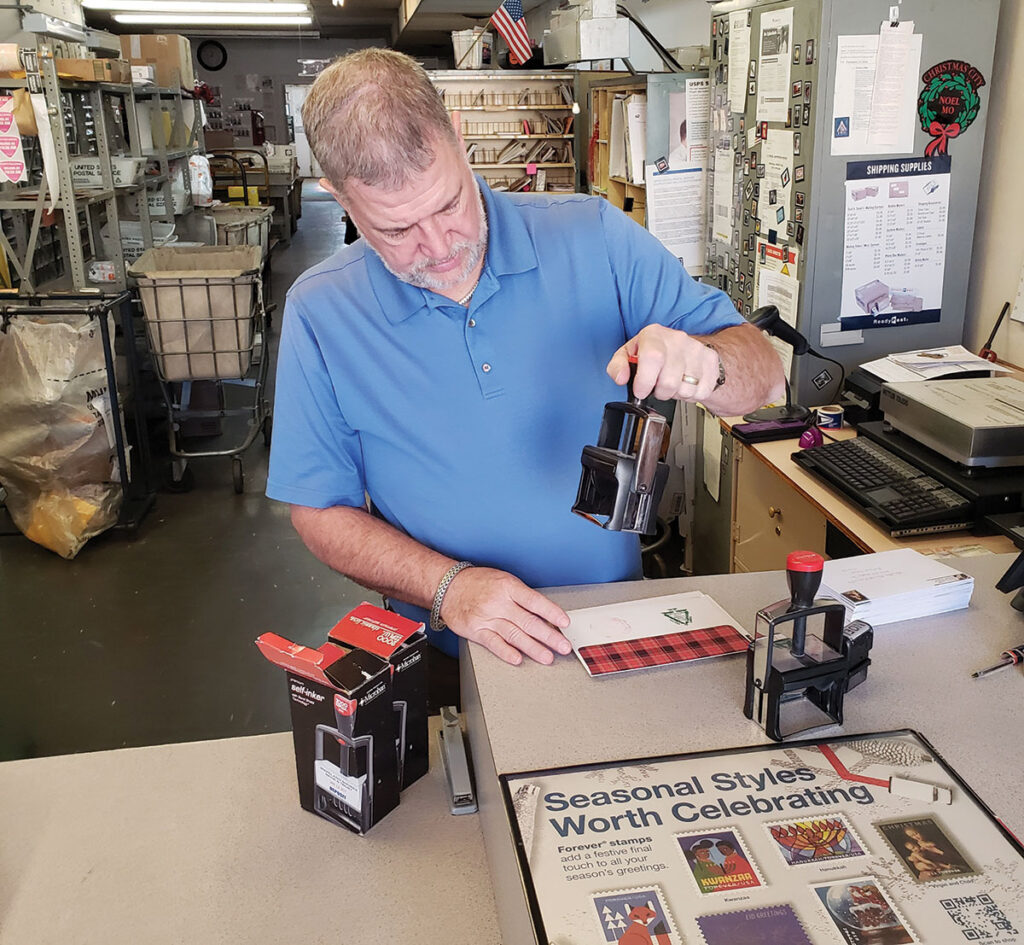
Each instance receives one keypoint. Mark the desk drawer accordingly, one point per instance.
(772, 519)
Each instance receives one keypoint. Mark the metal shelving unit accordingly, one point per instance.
(180, 144)
(77, 116)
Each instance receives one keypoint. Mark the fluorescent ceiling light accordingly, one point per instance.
(225, 19)
(193, 6)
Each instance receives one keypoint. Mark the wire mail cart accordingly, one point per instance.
(206, 321)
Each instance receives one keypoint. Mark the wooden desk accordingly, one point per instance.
(778, 507)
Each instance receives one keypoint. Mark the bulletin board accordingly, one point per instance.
(791, 843)
(790, 178)
(764, 100)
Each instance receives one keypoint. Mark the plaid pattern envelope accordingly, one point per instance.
(661, 650)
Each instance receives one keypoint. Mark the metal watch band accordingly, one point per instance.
(721, 365)
(436, 623)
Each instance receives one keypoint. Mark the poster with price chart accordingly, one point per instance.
(894, 256)
(790, 843)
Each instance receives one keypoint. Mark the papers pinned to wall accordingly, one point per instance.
(874, 105)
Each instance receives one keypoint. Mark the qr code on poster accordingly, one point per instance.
(978, 917)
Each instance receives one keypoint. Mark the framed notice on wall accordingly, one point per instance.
(807, 842)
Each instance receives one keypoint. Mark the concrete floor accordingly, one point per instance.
(148, 640)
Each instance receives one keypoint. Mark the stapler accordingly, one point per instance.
(624, 474)
(804, 657)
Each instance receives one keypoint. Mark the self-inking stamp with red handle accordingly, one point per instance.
(804, 657)
(624, 474)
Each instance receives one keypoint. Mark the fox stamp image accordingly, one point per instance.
(636, 917)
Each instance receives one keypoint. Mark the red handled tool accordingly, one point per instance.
(1010, 657)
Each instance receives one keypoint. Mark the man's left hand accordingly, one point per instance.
(670, 364)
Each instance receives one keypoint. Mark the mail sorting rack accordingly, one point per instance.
(206, 321)
(518, 126)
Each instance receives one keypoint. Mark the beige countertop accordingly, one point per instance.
(205, 842)
(540, 717)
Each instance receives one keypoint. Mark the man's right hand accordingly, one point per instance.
(498, 611)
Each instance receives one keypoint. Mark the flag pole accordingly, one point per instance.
(472, 46)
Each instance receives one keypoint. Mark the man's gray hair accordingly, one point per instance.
(375, 116)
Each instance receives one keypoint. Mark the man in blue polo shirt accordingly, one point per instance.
(452, 363)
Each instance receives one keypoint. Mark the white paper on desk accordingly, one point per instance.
(773, 68)
(895, 585)
(651, 617)
(711, 448)
(739, 55)
(917, 366)
(885, 573)
(676, 213)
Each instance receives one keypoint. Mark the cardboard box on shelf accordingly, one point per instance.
(143, 75)
(120, 71)
(168, 53)
(94, 70)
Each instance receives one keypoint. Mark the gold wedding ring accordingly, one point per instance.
(690, 379)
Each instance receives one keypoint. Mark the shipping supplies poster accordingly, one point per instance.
(894, 256)
(798, 844)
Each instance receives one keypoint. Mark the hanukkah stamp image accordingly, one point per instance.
(815, 839)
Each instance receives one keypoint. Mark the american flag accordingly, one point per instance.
(509, 22)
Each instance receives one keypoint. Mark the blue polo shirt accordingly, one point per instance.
(465, 427)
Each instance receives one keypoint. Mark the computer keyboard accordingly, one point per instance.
(901, 496)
